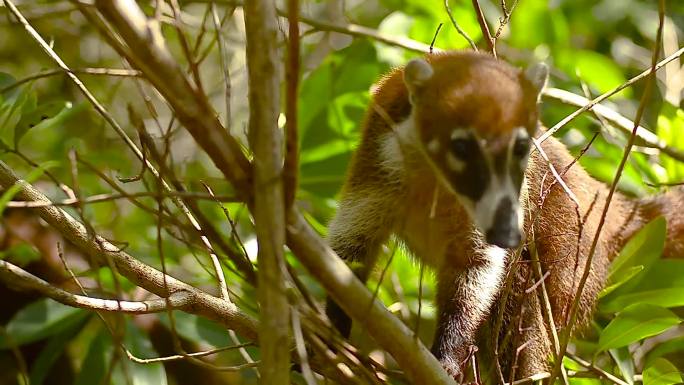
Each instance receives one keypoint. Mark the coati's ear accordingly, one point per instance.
(537, 75)
(416, 73)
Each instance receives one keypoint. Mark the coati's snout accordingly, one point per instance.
(478, 139)
(505, 231)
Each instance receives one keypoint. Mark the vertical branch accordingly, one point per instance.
(484, 27)
(261, 26)
(292, 77)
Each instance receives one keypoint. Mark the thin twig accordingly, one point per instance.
(458, 27)
(100, 198)
(602, 373)
(506, 17)
(434, 37)
(194, 354)
(645, 137)
(484, 27)
(291, 164)
(301, 349)
(675, 55)
(116, 72)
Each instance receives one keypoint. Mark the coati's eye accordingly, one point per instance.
(521, 147)
(462, 144)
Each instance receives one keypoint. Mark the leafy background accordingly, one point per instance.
(592, 46)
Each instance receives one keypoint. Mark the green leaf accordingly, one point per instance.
(597, 70)
(198, 329)
(139, 344)
(10, 114)
(670, 297)
(21, 254)
(55, 347)
(634, 323)
(94, 366)
(628, 274)
(44, 115)
(625, 362)
(6, 80)
(643, 249)
(662, 372)
(38, 320)
(670, 128)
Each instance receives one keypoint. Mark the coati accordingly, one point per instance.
(445, 164)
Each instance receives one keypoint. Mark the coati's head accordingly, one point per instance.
(474, 118)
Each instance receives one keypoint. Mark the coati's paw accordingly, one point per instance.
(453, 368)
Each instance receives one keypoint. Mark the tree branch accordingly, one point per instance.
(17, 277)
(139, 273)
(261, 27)
(356, 300)
(644, 137)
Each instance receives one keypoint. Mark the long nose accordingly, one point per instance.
(504, 231)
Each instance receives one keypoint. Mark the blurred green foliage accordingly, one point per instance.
(592, 46)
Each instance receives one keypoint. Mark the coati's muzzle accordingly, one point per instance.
(505, 231)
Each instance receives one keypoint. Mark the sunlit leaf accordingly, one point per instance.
(670, 128)
(625, 363)
(634, 323)
(628, 274)
(643, 249)
(662, 372)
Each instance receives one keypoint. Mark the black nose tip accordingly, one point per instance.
(504, 231)
(506, 240)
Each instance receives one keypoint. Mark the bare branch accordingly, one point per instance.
(610, 93)
(100, 198)
(291, 167)
(115, 72)
(261, 26)
(17, 277)
(139, 273)
(645, 137)
(420, 366)
(484, 27)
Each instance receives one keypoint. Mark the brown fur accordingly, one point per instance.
(413, 203)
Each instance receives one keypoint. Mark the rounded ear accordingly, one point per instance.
(416, 73)
(537, 75)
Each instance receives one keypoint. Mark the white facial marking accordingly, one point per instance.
(521, 133)
(393, 144)
(459, 133)
(454, 163)
(433, 146)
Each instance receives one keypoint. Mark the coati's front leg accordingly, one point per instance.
(360, 227)
(465, 294)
